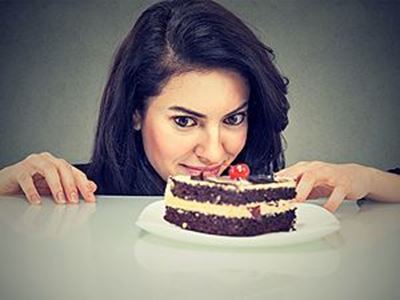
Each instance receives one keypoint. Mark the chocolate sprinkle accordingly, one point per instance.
(262, 178)
(200, 177)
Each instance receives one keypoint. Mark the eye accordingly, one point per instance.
(236, 119)
(184, 122)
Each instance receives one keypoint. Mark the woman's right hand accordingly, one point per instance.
(44, 174)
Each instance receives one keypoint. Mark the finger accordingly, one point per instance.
(85, 186)
(50, 172)
(287, 172)
(93, 186)
(335, 199)
(44, 165)
(305, 186)
(25, 181)
(68, 181)
(295, 170)
(43, 188)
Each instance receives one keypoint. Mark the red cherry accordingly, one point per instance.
(239, 171)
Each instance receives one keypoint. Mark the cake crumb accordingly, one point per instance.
(184, 225)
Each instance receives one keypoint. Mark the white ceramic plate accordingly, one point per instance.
(313, 222)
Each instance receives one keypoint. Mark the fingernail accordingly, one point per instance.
(60, 197)
(74, 197)
(91, 186)
(92, 198)
(300, 200)
(35, 199)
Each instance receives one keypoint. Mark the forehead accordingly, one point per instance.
(211, 91)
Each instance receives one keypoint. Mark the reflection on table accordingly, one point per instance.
(97, 252)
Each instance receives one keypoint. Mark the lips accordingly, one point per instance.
(207, 171)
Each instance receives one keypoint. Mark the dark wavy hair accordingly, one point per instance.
(170, 38)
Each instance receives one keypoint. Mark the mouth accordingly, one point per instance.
(207, 171)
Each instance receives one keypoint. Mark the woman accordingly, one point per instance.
(191, 90)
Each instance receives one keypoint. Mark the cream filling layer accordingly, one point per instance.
(228, 210)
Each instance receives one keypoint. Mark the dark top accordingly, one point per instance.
(105, 184)
(102, 187)
(83, 167)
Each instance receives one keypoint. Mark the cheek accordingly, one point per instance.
(163, 146)
(235, 141)
(157, 143)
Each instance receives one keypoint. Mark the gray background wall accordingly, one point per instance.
(342, 58)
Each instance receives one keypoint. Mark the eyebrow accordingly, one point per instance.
(203, 116)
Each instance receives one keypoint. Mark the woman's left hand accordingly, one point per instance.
(318, 179)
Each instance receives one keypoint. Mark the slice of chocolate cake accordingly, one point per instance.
(223, 206)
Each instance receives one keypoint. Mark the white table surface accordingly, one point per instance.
(95, 251)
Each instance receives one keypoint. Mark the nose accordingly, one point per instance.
(210, 148)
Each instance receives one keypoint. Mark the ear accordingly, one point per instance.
(137, 121)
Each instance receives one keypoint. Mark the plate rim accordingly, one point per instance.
(266, 239)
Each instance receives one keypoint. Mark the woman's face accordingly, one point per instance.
(197, 124)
